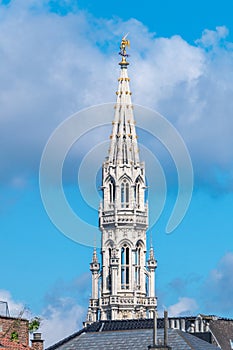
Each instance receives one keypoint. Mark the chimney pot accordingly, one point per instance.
(36, 336)
(37, 342)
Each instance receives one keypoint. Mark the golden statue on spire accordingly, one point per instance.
(124, 43)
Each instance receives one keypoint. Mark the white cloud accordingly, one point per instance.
(213, 37)
(212, 295)
(218, 290)
(15, 308)
(65, 310)
(184, 306)
(61, 321)
(53, 66)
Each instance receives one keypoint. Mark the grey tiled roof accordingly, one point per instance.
(222, 329)
(138, 339)
(195, 343)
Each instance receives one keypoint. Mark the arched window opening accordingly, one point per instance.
(125, 267)
(137, 193)
(147, 285)
(111, 193)
(138, 267)
(125, 159)
(122, 193)
(109, 271)
(125, 194)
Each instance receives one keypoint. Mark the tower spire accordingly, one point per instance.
(126, 276)
(123, 147)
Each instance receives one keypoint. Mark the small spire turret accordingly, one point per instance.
(92, 314)
(152, 265)
(152, 253)
(94, 265)
(94, 257)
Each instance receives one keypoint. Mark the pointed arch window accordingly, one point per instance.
(138, 257)
(125, 267)
(109, 270)
(124, 194)
(112, 192)
(125, 158)
(111, 188)
(137, 193)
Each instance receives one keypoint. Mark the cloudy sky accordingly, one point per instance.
(59, 57)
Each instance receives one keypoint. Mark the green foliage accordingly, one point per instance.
(34, 324)
(14, 336)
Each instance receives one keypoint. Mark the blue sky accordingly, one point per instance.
(58, 57)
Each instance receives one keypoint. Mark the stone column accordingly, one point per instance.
(114, 268)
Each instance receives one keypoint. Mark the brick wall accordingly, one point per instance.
(37, 345)
(11, 324)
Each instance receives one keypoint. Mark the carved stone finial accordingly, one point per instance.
(152, 253)
(94, 258)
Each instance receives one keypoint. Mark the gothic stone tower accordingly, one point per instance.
(127, 280)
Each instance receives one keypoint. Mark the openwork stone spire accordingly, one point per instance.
(123, 148)
(126, 278)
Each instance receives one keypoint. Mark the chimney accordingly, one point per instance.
(37, 342)
(165, 328)
(155, 343)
